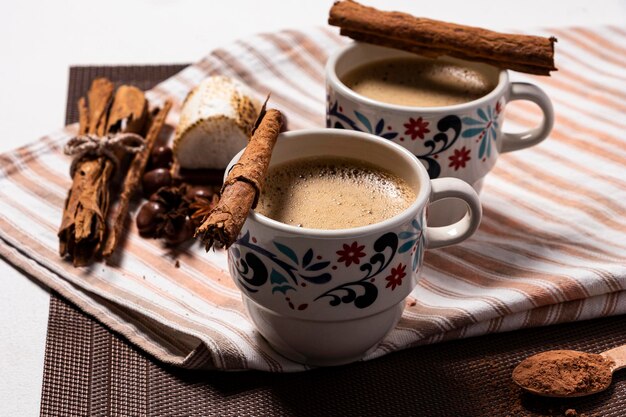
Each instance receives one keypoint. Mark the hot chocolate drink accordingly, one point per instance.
(332, 193)
(418, 82)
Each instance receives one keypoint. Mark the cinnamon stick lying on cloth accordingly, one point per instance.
(133, 177)
(243, 185)
(432, 38)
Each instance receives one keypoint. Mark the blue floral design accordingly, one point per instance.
(361, 123)
(286, 271)
(285, 275)
(485, 127)
(414, 239)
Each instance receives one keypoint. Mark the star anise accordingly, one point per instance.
(172, 197)
(173, 213)
(174, 223)
(202, 206)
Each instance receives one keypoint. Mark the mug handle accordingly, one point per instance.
(516, 141)
(438, 237)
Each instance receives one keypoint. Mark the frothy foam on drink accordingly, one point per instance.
(332, 193)
(418, 82)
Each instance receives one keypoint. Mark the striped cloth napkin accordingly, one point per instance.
(551, 247)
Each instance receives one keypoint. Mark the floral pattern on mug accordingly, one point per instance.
(416, 128)
(361, 123)
(415, 241)
(485, 126)
(351, 254)
(287, 270)
(459, 158)
(395, 278)
(438, 142)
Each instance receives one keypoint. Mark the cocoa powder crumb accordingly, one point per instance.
(563, 373)
(177, 264)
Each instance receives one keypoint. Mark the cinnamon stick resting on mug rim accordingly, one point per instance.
(433, 38)
(243, 185)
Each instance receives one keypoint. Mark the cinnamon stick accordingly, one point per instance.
(83, 116)
(99, 95)
(129, 111)
(434, 53)
(432, 38)
(133, 179)
(243, 185)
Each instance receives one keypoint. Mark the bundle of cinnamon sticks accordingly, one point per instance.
(88, 229)
(432, 38)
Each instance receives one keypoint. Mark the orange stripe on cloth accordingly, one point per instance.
(594, 44)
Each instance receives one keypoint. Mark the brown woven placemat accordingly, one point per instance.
(90, 371)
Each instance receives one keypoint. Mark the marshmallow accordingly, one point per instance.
(215, 123)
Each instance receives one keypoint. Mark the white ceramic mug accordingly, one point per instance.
(326, 297)
(461, 141)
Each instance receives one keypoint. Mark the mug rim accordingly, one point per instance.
(421, 199)
(338, 85)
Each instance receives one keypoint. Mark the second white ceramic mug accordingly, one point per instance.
(461, 141)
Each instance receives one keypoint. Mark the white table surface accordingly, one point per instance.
(39, 40)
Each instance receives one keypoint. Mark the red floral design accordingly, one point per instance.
(460, 157)
(395, 278)
(351, 254)
(416, 128)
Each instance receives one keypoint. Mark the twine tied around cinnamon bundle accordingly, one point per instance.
(93, 145)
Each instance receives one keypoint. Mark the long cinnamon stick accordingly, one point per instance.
(533, 54)
(243, 185)
(128, 113)
(434, 53)
(133, 179)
